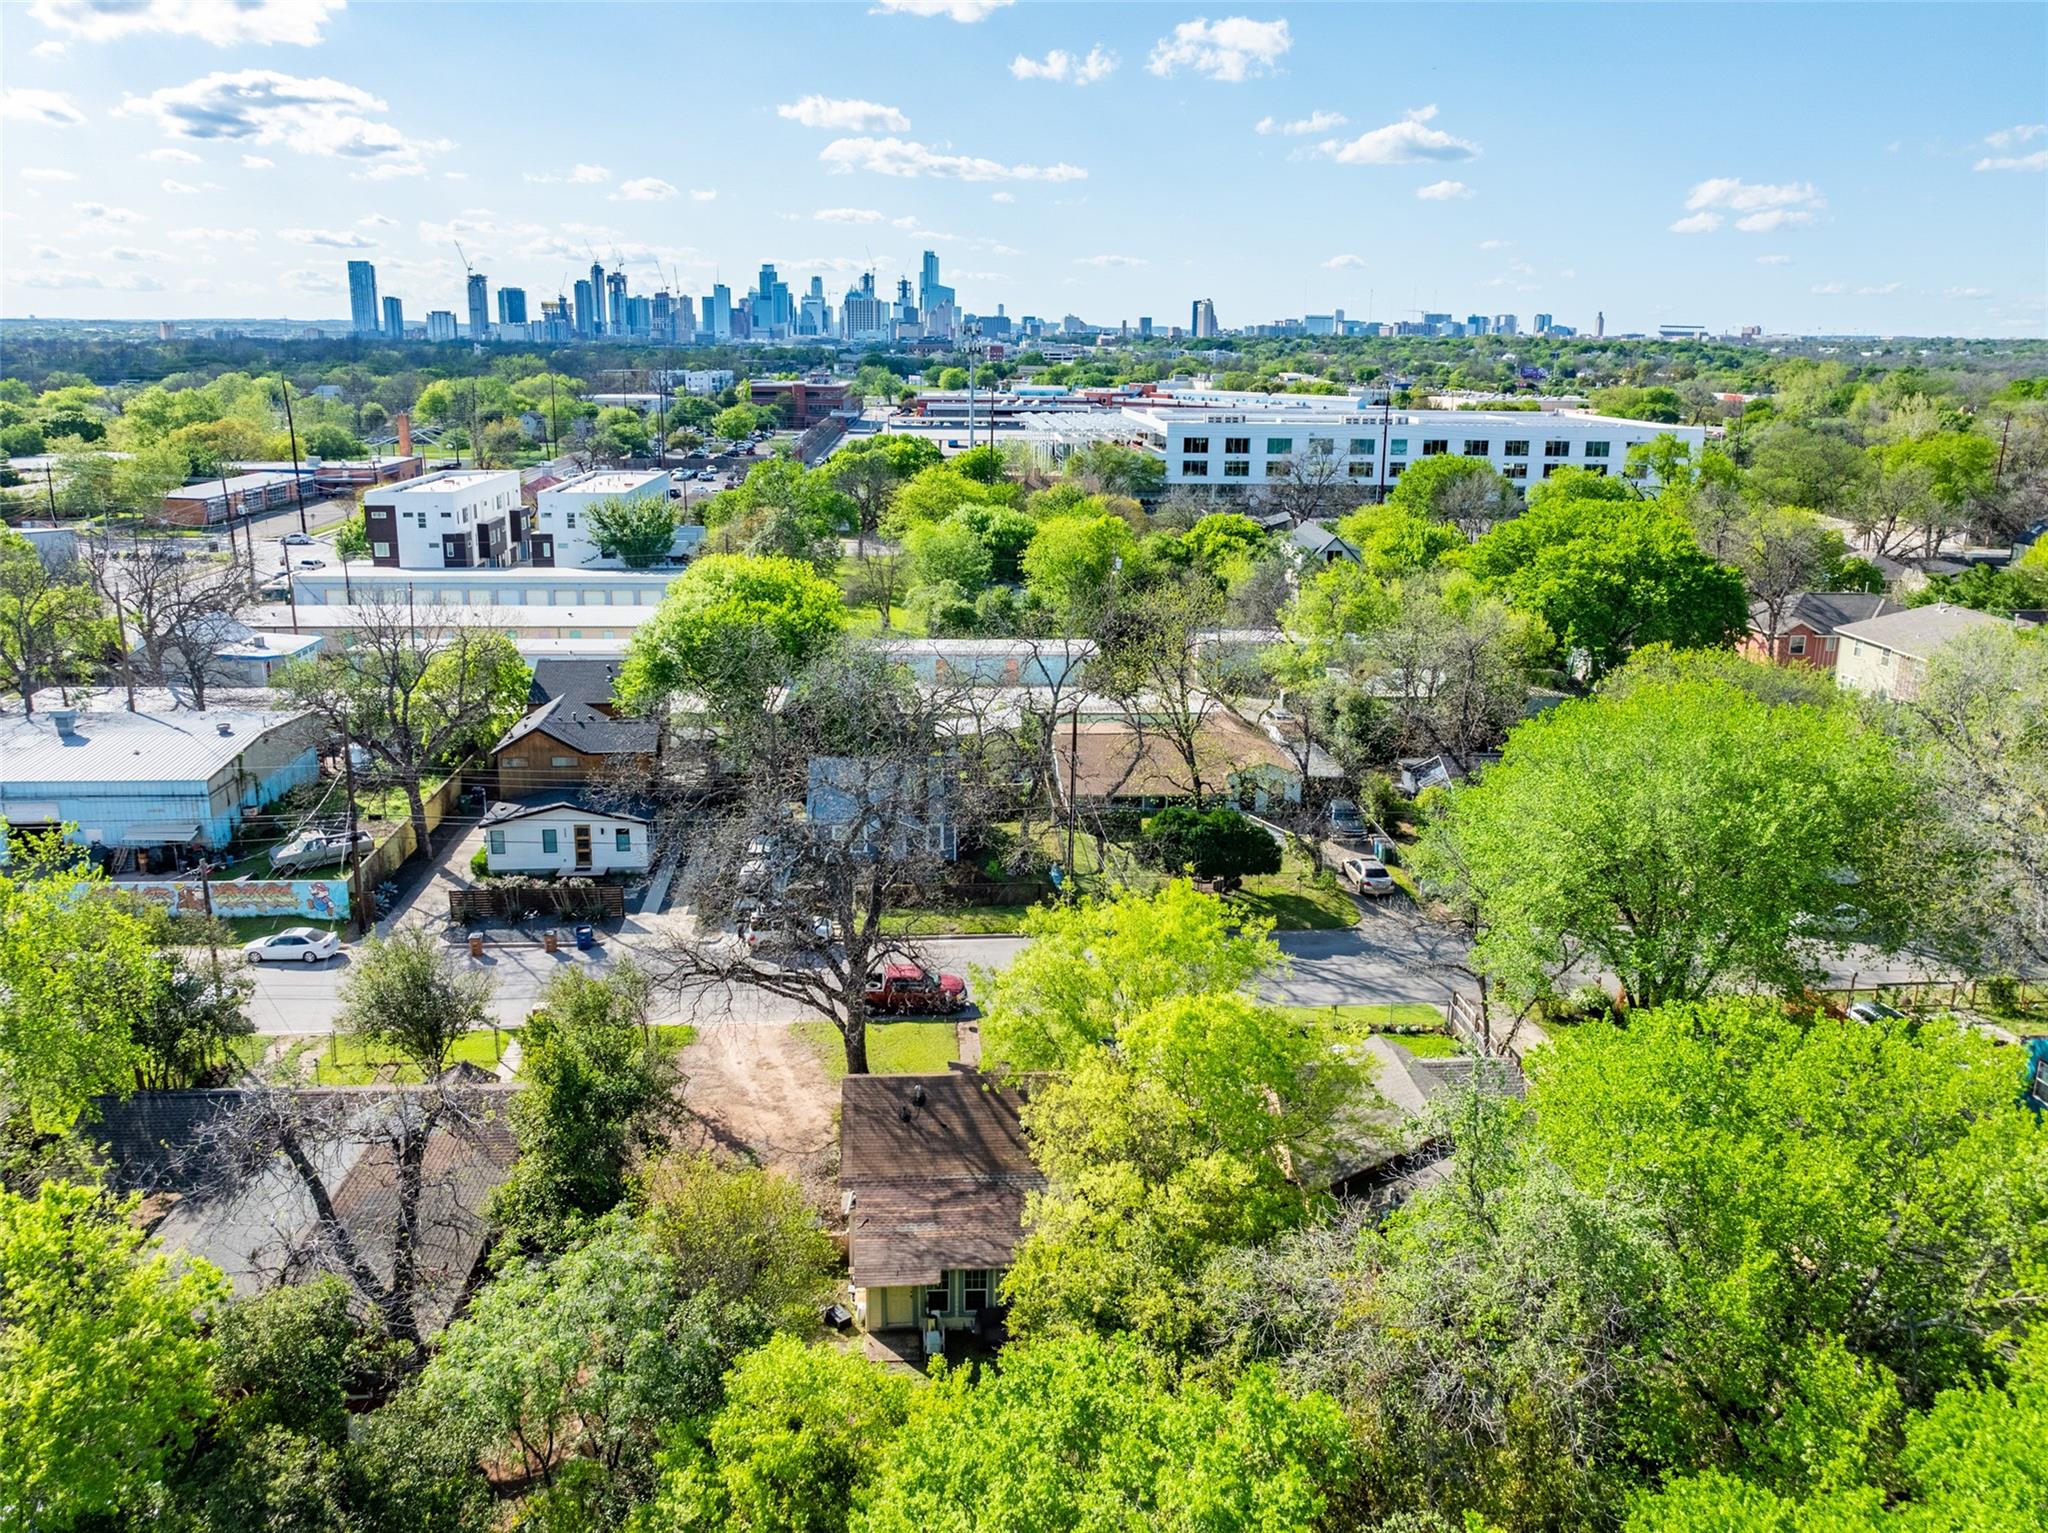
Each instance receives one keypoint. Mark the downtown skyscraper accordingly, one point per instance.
(363, 315)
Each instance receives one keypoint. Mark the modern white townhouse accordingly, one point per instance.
(460, 519)
(561, 519)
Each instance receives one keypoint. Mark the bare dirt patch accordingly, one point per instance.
(756, 1090)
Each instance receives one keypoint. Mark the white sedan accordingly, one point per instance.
(301, 944)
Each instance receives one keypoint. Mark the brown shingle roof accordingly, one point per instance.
(1109, 758)
(935, 1185)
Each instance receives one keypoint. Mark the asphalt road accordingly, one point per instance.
(1388, 957)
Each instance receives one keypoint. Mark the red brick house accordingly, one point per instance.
(1806, 625)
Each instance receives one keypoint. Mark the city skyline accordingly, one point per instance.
(1114, 162)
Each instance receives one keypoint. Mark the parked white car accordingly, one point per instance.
(295, 944)
(317, 849)
(1369, 876)
(295, 539)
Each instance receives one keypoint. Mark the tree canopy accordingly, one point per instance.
(731, 627)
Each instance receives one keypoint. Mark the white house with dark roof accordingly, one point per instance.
(565, 836)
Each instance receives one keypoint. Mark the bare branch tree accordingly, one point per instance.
(179, 610)
(1313, 486)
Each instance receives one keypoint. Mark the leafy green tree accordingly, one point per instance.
(1683, 833)
(1081, 1433)
(1224, 541)
(1093, 964)
(587, 1357)
(1179, 1141)
(949, 553)
(934, 493)
(78, 966)
(408, 992)
(201, 1005)
(639, 529)
(729, 629)
(330, 441)
(1794, 465)
(52, 623)
(1340, 602)
(1640, 404)
(1466, 493)
(1393, 541)
(736, 423)
(597, 1083)
(1608, 576)
(103, 1358)
(1217, 843)
(1110, 468)
(797, 1440)
(352, 538)
(952, 378)
(1074, 566)
(744, 1234)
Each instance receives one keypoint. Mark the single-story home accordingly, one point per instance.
(163, 778)
(1318, 543)
(1133, 764)
(1808, 626)
(1887, 656)
(564, 836)
(208, 1192)
(933, 1174)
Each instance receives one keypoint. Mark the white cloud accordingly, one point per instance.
(125, 282)
(257, 162)
(1121, 261)
(1696, 223)
(206, 236)
(964, 11)
(313, 116)
(46, 174)
(1343, 262)
(844, 115)
(307, 280)
(847, 216)
(376, 221)
(337, 239)
(52, 108)
(2013, 137)
(223, 25)
(134, 253)
(1774, 260)
(1828, 289)
(1064, 68)
(1232, 49)
(2038, 160)
(187, 189)
(1495, 244)
(398, 170)
(172, 157)
(579, 175)
(1443, 191)
(1401, 143)
(1002, 196)
(1740, 196)
(50, 49)
(1772, 219)
(1967, 292)
(703, 194)
(1315, 122)
(100, 214)
(903, 157)
(1879, 290)
(644, 189)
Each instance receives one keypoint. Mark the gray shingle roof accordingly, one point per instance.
(1826, 611)
(1917, 632)
(582, 728)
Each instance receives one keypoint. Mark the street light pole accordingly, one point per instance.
(291, 425)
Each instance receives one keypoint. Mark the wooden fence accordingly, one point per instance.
(568, 901)
(392, 852)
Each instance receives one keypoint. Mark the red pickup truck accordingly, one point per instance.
(904, 989)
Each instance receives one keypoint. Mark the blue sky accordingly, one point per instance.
(1877, 168)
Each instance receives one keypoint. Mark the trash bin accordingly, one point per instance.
(476, 945)
(550, 940)
(586, 936)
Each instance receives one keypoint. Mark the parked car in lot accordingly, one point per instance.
(908, 990)
(296, 944)
(317, 849)
(1345, 822)
(1874, 1011)
(296, 539)
(312, 564)
(1368, 876)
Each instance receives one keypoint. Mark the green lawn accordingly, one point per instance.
(346, 1061)
(1298, 898)
(1427, 1045)
(249, 928)
(894, 1048)
(1375, 1018)
(866, 622)
(976, 920)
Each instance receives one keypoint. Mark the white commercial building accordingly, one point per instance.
(561, 519)
(522, 586)
(1251, 444)
(461, 519)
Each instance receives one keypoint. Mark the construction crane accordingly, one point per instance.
(467, 269)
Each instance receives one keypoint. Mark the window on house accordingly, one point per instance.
(1557, 449)
(380, 550)
(1597, 468)
(1359, 470)
(515, 761)
(1195, 468)
(1279, 444)
(1551, 468)
(1517, 471)
(497, 843)
(568, 761)
(570, 519)
(1394, 470)
(1322, 446)
(1275, 469)
(1237, 444)
(1398, 447)
(622, 840)
(974, 1286)
(936, 1298)
(1361, 445)
(1597, 449)
(1514, 449)
(1432, 446)
(1475, 448)
(1237, 468)
(1796, 645)
(1195, 444)
(550, 841)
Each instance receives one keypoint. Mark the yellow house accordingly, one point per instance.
(933, 1173)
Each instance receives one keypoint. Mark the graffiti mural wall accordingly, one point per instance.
(316, 897)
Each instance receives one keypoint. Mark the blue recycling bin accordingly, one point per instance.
(586, 936)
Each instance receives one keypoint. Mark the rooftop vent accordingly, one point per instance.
(224, 727)
(917, 1095)
(66, 722)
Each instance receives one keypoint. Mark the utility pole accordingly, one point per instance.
(291, 425)
(291, 589)
(50, 486)
(355, 852)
